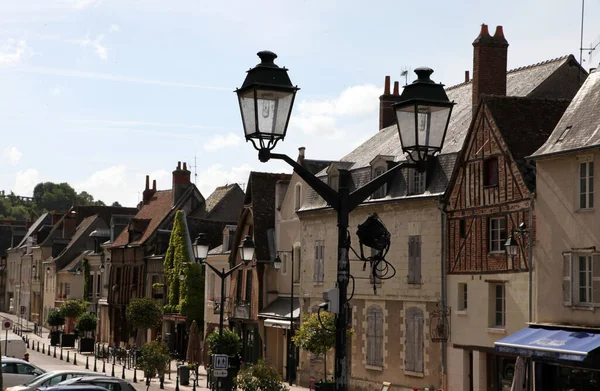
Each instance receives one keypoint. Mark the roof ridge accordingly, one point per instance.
(505, 97)
(538, 64)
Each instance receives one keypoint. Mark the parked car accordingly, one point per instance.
(50, 379)
(14, 346)
(16, 371)
(108, 382)
(83, 387)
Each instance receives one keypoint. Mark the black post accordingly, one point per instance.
(123, 374)
(43, 348)
(87, 362)
(54, 352)
(177, 382)
(95, 367)
(221, 310)
(75, 358)
(135, 374)
(291, 365)
(68, 359)
(112, 373)
(61, 352)
(103, 366)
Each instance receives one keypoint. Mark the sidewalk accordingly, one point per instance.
(101, 365)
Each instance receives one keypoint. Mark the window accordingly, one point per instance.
(99, 285)
(382, 191)
(462, 228)
(90, 286)
(248, 285)
(226, 243)
(414, 342)
(490, 171)
(414, 259)
(67, 289)
(238, 288)
(497, 239)
(581, 279)
(319, 272)
(585, 278)
(375, 336)
(334, 181)
(416, 182)
(211, 285)
(297, 194)
(297, 263)
(498, 305)
(462, 297)
(284, 262)
(586, 185)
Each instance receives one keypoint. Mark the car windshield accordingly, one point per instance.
(40, 377)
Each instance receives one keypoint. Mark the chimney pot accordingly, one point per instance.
(396, 89)
(301, 151)
(484, 29)
(387, 116)
(179, 165)
(467, 77)
(147, 182)
(184, 166)
(154, 185)
(386, 88)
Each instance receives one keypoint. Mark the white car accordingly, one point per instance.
(16, 371)
(49, 379)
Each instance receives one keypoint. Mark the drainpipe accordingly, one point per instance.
(444, 290)
(530, 255)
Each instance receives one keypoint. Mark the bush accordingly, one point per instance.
(73, 308)
(231, 343)
(154, 359)
(144, 313)
(55, 318)
(260, 377)
(86, 322)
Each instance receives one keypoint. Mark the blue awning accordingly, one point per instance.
(560, 344)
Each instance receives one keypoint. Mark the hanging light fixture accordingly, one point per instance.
(247, 249)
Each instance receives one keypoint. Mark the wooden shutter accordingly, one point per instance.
(417, 256)
(419, 342)
(316, 263)
(567, 274)
(414, 259)
(596, 279)
(409, 342)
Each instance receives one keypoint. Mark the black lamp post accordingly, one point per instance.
(291, 364)
(201, 252)
(423, 112)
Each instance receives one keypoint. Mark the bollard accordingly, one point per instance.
(103, 366)
(87, 362)
(43, 348)
(68, 351)
(38, 349)
(27, 341)
(61, 350)
(123, 374)
(162, 382)
(75, 358)
(169, 369)
(134, 374)
(112, 373)
(54, 352)
(49, 350)
(177, 382)
(95, 367)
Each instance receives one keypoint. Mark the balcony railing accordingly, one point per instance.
(241, 310)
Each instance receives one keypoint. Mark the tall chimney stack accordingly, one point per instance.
(300, 159)
(387, 117)
(148, 193)
(490, 55)
(181, 181)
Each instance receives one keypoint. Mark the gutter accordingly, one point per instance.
(441, 207)
(530, 254)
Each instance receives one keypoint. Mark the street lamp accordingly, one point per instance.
(201, 248)
(247, 249)
(78, 271)
(422, 114)
(101, 268)
(291, 365)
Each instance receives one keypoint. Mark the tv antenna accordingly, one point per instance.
(593, 45)
(404, 73)
(195, 169)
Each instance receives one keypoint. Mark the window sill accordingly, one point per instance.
(584, 307)
(461, 313)
(374, 367)
(317, 283)
(497, 253)
(585, 210)
(415, 285)
(414, 374)
(496, 330)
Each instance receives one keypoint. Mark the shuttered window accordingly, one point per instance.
(414, 259)
(297, 263)
(414, 342)
(581, 279)
(382, 191)
(567, 284)
(375, 336)
(586, 185)
(319, 271)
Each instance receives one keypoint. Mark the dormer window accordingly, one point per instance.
(297, 195)
(382, 191)
(333, 181)
(490, 171)
(416, 182)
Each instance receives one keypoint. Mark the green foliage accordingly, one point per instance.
(55, 318)
(13, 208)
(154, 359)
(144, 313)
(260, 377)
(86, 322)
(231, 342)
(170, 309)
(192, 294)
(73, 308)
(312, 336)
(86, 278)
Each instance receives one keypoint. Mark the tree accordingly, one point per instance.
(154, 359)
(55, 318)
(192, 294)
(143, 313)
(86, 322)
(260, 377)
(116, 204)
(177, 254)
(71, 309)
(231, 343)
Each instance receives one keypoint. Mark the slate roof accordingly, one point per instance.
(220, 192)
(525, 124)
(78, 240)
(155, 212)
(583, 118)
(45, 218)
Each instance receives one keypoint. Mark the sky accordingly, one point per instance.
(100, 93)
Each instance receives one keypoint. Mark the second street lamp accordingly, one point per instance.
(422, 113)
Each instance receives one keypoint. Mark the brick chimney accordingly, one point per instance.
(300, 159)
(181, 181)
(489, 64)
(148, 193)
(387, 117)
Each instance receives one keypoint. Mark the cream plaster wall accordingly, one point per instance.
(219, 261)
(562, 227)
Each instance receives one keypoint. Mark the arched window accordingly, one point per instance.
(375, 336)
(297, 263)
(413, 344)
(298, 193)
(382, 191)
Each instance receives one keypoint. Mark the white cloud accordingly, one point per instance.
(325, 117)
(55, 91)
(12, 155)
(219, 141)
(14, 51)
(26, 181)
(96, 44)
(114, 28)
(218, 175)
(82, 4)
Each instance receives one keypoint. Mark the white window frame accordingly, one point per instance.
(585, 183)
(416, 182)
(583, 280)
(496, 238)
(333, 181)
(498, 305)
(463, 296)
(297, 196)
(319, 271)
(382, 191)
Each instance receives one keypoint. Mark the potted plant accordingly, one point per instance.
(316, 335)
(154, 358)
(260, 376)
(86, 324)
(230, 344)
(142, 314)
(55, 320)
(71, 309)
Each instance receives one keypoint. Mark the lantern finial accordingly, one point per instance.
(267, 58)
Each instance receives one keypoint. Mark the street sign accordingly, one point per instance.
(221, 361)
(22, 310)
(6, 325)
(220, 372)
